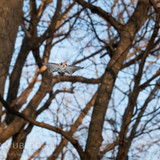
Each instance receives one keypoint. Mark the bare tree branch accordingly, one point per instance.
(43, 125)
(37, 151)
(106, 16)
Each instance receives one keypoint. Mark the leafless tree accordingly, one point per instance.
(109, 110)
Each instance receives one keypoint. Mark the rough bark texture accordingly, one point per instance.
(10, 19)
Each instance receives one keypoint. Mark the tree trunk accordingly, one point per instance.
(127, 35)
(10, 19)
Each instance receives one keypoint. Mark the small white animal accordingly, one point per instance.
(62, 68)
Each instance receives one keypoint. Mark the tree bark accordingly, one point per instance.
(10, 19)
(127, 35)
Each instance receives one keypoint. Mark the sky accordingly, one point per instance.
(70, 107)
